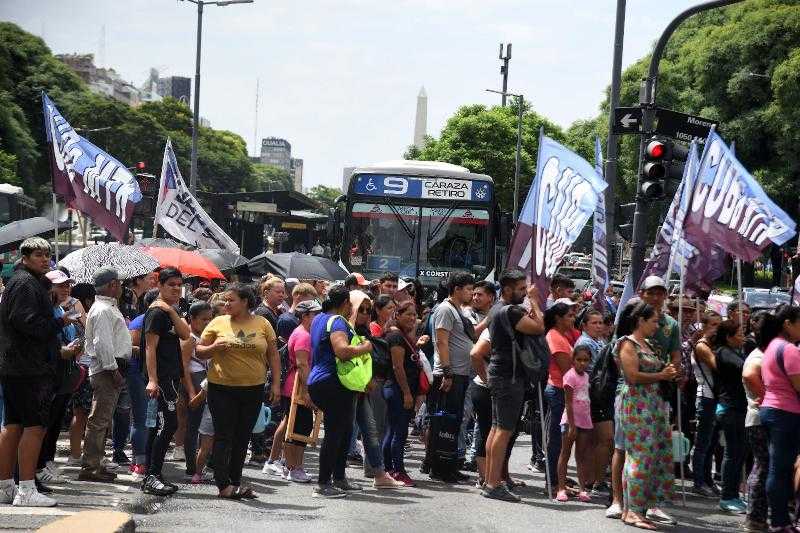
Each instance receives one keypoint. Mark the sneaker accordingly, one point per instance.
(703, 491)
(108, 464)
(153, 485)
(298, 475)
(42, 488)
(33, 498)
(120, 458)
(275, 468)
(601, 488)
(537, 466)
(98, 475)
(470, 466)
(177, 454)
(657, 515)
(734, 505)
(387, 482)
(52, 467)
(45, 475)
(257, 460)
(501, 493)
(345, 484)
(171, 486)
(328, 491)
(614, 511)
(7, 494)
(355, 459)
(138, 472)
(784, 529)
(404, 478)
(74, 461)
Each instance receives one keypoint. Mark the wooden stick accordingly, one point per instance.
(290, 434)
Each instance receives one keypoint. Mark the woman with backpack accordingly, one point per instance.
(780, 410)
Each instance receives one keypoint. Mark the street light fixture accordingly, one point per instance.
(518, 158)
(196, 119)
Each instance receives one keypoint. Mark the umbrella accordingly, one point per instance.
(296, 265)
(12, 235)
(190, 263)
(159, 242)
(224, 259)
(130, 261)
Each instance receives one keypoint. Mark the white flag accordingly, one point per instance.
(181, 215)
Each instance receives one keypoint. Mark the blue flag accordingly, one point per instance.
(561, 199)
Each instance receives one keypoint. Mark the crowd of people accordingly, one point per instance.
(153, 365)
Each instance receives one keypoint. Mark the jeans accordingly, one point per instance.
(122, 420)
(554, 397)
(365, 420)
(234, 411)
(704, 441)
(467, 424)
(166, 423)
(397, 418)
(783, 428)
(194, 417)
(57, 411)
(338, 407)
(139, 433)
(732, 426)
(104, 400)
(758, 441)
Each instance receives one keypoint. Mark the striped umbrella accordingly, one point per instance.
(130, 261)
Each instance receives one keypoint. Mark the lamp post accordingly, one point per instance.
(518, 157)
(196, 119)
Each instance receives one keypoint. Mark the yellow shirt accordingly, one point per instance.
(244, 362)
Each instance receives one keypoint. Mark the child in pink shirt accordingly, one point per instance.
(576, 423)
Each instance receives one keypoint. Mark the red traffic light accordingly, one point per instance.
(656, 150)
(140, 165)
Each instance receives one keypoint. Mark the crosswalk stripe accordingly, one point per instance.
(8, 510)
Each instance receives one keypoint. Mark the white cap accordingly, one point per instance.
(566, 301)
(652, 282)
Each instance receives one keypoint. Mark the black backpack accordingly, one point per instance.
(381, 357)
(604, 377)
(533, 354)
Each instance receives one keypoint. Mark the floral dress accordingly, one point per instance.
(647, 478)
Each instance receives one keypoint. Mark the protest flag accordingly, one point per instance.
(181, 215)
(599, 249)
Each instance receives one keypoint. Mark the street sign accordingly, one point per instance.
(682, 126)
(627, 120)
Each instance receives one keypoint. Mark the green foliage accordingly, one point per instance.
(8, 169)
(325, 195)
(269, 178)
(484, 140)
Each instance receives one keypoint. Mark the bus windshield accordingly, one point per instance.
(386, 237)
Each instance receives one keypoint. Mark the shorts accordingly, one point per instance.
(28, 401)
(565, 428)
(303, 420)
(507, 400)
(206, 423)
(619, 434)
(602, 414)
(82, 398)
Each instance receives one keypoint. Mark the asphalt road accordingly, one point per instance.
(284, 506)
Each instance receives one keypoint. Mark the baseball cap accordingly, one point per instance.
(57, 277)
(565, 301)
(358, 279)
(104, 276)
(651, 282)
(403, 285)
(309, 306)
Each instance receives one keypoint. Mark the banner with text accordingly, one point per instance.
(87, 178)
(181, 215)
(599, 249)
(561, 199)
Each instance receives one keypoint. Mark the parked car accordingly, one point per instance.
(764, 298)
(581, 276)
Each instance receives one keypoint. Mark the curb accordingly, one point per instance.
(94, 521)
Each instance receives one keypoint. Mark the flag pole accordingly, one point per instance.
(164, 164)
(55, 223)
(739, 294)
(682, 285)
(545, 439)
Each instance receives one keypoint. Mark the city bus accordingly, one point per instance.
(421, 219)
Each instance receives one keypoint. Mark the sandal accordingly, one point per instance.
(247, 493)
(641, 523)
(234, 495)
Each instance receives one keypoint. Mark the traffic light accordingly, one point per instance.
(654, 169)
(676, 156)
(625, 221)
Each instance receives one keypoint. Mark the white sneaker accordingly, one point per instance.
(657, 515)
(52, 467)
(178, 454)
(298, 475)
(7, 494)
(614, 511)
(33, 498)
(276, 468)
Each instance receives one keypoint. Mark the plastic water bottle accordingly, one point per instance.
(152, 413)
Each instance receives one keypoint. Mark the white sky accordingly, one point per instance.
(339, 79)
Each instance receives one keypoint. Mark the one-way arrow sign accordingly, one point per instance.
(627, 120)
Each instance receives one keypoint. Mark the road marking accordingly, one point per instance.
(34, 511)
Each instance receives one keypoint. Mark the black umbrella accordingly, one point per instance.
(12, 235)
(224, 259)
(295, 265)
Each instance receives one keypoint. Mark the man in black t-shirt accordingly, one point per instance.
(161, 335)
(506, 388)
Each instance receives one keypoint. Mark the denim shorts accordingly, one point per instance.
(619, 435)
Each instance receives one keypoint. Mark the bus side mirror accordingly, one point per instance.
(332, 225)
(505, 226)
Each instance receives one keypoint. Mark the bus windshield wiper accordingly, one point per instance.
(411, 234)
(435, 231)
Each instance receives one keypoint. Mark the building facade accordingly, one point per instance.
(297, 174)
(277, 152)
(101, 80)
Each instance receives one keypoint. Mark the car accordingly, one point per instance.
(758, 299)
(581, 276)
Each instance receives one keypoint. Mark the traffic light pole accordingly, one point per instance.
(647, 101)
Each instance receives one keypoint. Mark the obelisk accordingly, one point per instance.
(421, 120)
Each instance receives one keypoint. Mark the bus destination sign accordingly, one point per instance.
(421, 187)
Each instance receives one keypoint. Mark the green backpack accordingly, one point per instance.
(355, 373)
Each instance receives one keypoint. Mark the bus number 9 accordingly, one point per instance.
(395, 186)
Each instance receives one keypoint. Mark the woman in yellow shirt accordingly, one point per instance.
(243, 346)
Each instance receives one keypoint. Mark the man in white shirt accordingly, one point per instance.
(107, 338)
